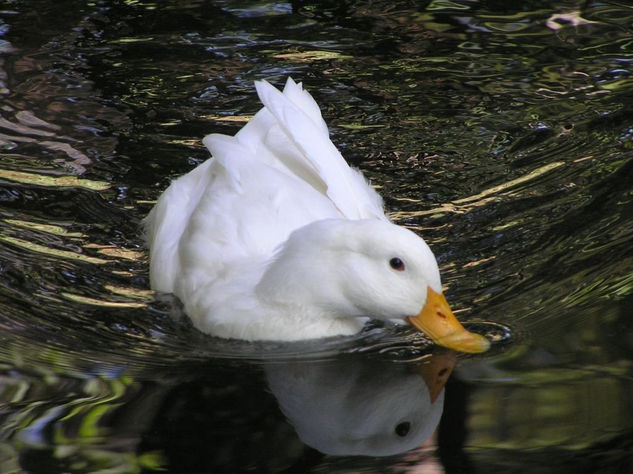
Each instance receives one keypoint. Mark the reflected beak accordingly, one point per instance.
(438, 322)
(436, 372)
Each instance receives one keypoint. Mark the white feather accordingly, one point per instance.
(260, 241)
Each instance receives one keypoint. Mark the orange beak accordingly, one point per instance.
(438, 322)
(435, 371)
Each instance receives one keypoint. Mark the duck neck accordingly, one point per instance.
(295, 298)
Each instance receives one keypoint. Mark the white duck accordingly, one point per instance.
(276, 238)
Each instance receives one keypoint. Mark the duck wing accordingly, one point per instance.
(231, 210)
(279, 173)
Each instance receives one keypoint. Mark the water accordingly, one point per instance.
(503, 134)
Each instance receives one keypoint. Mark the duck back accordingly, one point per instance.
(278, 173)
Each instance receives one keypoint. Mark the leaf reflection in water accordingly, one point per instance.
(73, 415)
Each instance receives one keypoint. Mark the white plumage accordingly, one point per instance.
(275, 237)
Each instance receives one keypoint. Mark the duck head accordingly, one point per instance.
(342, 268)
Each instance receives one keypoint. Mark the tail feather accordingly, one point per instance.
(312, 155)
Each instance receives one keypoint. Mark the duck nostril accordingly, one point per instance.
(441, 315)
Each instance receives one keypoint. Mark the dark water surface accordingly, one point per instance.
(502, 134)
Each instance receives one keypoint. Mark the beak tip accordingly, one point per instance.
(468, 342)
(480, 344)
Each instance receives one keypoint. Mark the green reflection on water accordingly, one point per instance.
(562, 408)
(500, 135)
(75, 419)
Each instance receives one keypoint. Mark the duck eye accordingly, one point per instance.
(402, 429)
(396, 264)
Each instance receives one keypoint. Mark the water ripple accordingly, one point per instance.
(502, 136)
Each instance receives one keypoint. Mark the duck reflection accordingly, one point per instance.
(360, 406)
(286, 415)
